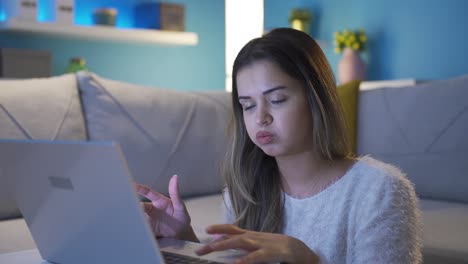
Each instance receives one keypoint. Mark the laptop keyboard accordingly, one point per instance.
(173, 258)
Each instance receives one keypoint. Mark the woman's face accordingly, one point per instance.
(276, 113)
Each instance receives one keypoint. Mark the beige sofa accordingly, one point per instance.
(163, 132)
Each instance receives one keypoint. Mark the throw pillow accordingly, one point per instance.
(422, 129)
(41, 108)
(161, 132)
(348, 94)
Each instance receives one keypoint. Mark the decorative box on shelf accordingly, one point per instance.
(25, 10)
(65, 11)
(28, 10)
(59, 11)
(25, 63)
(164, 16)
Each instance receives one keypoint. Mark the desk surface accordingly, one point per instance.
(31, 256)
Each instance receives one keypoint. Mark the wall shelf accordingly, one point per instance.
(125, 35)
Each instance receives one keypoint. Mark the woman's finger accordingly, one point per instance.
(235, 242)
(153, 196)
(219, 237)
(226, 229)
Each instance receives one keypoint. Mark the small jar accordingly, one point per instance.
(105, 16)
(77, 64)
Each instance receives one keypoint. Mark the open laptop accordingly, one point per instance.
(80, 205)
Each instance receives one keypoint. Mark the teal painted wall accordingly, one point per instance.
(174, 67)
(423, 39)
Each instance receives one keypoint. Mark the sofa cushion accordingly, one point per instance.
(42, 108)
(348, 94)
(445, 236)
(421, 129)
(161, 132)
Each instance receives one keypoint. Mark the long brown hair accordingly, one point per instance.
(252, 177)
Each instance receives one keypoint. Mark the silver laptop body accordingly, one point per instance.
(80, 206)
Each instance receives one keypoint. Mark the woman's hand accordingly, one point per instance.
(261, 247)
(167, 217)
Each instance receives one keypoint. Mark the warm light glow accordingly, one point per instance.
(297, 24)
(244, 21)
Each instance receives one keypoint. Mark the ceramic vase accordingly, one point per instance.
(351, 67)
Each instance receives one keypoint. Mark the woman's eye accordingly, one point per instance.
(278, 101)
(248, 107)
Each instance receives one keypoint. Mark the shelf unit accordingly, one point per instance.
(125, 35)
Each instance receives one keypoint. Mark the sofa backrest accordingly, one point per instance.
(422, 129)
(161, 132)
(42, 108)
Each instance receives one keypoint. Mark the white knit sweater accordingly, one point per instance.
(370, 215)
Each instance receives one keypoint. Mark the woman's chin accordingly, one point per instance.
(271, 151)
(278, 152)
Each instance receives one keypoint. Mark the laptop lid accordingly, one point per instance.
(78, 201)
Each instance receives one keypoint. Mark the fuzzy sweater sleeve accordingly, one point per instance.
(389, 225)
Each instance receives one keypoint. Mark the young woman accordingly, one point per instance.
(294, 193)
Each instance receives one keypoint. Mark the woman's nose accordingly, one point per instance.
(263, 118)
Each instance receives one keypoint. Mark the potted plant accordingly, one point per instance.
(350, 43)
(355, 40)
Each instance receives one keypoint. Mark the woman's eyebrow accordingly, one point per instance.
(265, 92)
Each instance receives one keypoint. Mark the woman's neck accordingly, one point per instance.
(306, 174)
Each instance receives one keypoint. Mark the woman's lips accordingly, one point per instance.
(264, 137)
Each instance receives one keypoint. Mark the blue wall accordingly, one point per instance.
(423, 39)
(174, 67)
